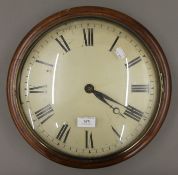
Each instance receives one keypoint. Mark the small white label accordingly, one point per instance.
(88, 122)
(120, 52)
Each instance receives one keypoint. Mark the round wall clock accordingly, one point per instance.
(88, 87)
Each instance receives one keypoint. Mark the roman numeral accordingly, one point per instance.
(38, 89)
(115, 132)
(114, 43)
(62, 42)
(63, 133)
(133, 62)
(88, 139)
(140, 88)
(44, 113)
(133, 113)
(42, 62)
(88, 36)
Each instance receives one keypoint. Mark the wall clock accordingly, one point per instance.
(88, 87)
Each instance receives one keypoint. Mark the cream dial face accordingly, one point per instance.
(89, 88)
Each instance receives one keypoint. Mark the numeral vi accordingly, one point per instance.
(88, 139)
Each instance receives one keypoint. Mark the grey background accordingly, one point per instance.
(17, 17)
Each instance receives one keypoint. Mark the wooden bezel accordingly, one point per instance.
(87, 11)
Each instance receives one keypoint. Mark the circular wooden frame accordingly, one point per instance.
(50, 22)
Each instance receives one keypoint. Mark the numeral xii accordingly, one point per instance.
(88, 36)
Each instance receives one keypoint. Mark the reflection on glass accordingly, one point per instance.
(31, 119)
(28, 76)
(123, 127)
(54, 75)
(57, 126)
(127, 85)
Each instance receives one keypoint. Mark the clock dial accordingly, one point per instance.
(89, 88)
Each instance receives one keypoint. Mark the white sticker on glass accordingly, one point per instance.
(88, 122)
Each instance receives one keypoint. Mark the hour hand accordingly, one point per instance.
(89, 88)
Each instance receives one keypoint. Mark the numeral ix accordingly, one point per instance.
(38, 89)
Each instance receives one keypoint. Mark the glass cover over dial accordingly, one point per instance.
(89, 88)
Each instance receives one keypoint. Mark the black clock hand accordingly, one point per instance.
(108, 98)
(101, 97)
(90, 89)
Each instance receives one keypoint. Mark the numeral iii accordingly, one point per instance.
(140, 88)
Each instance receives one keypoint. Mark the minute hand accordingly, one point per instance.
(130, 111)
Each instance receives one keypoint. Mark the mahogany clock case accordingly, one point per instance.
(30, 39)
